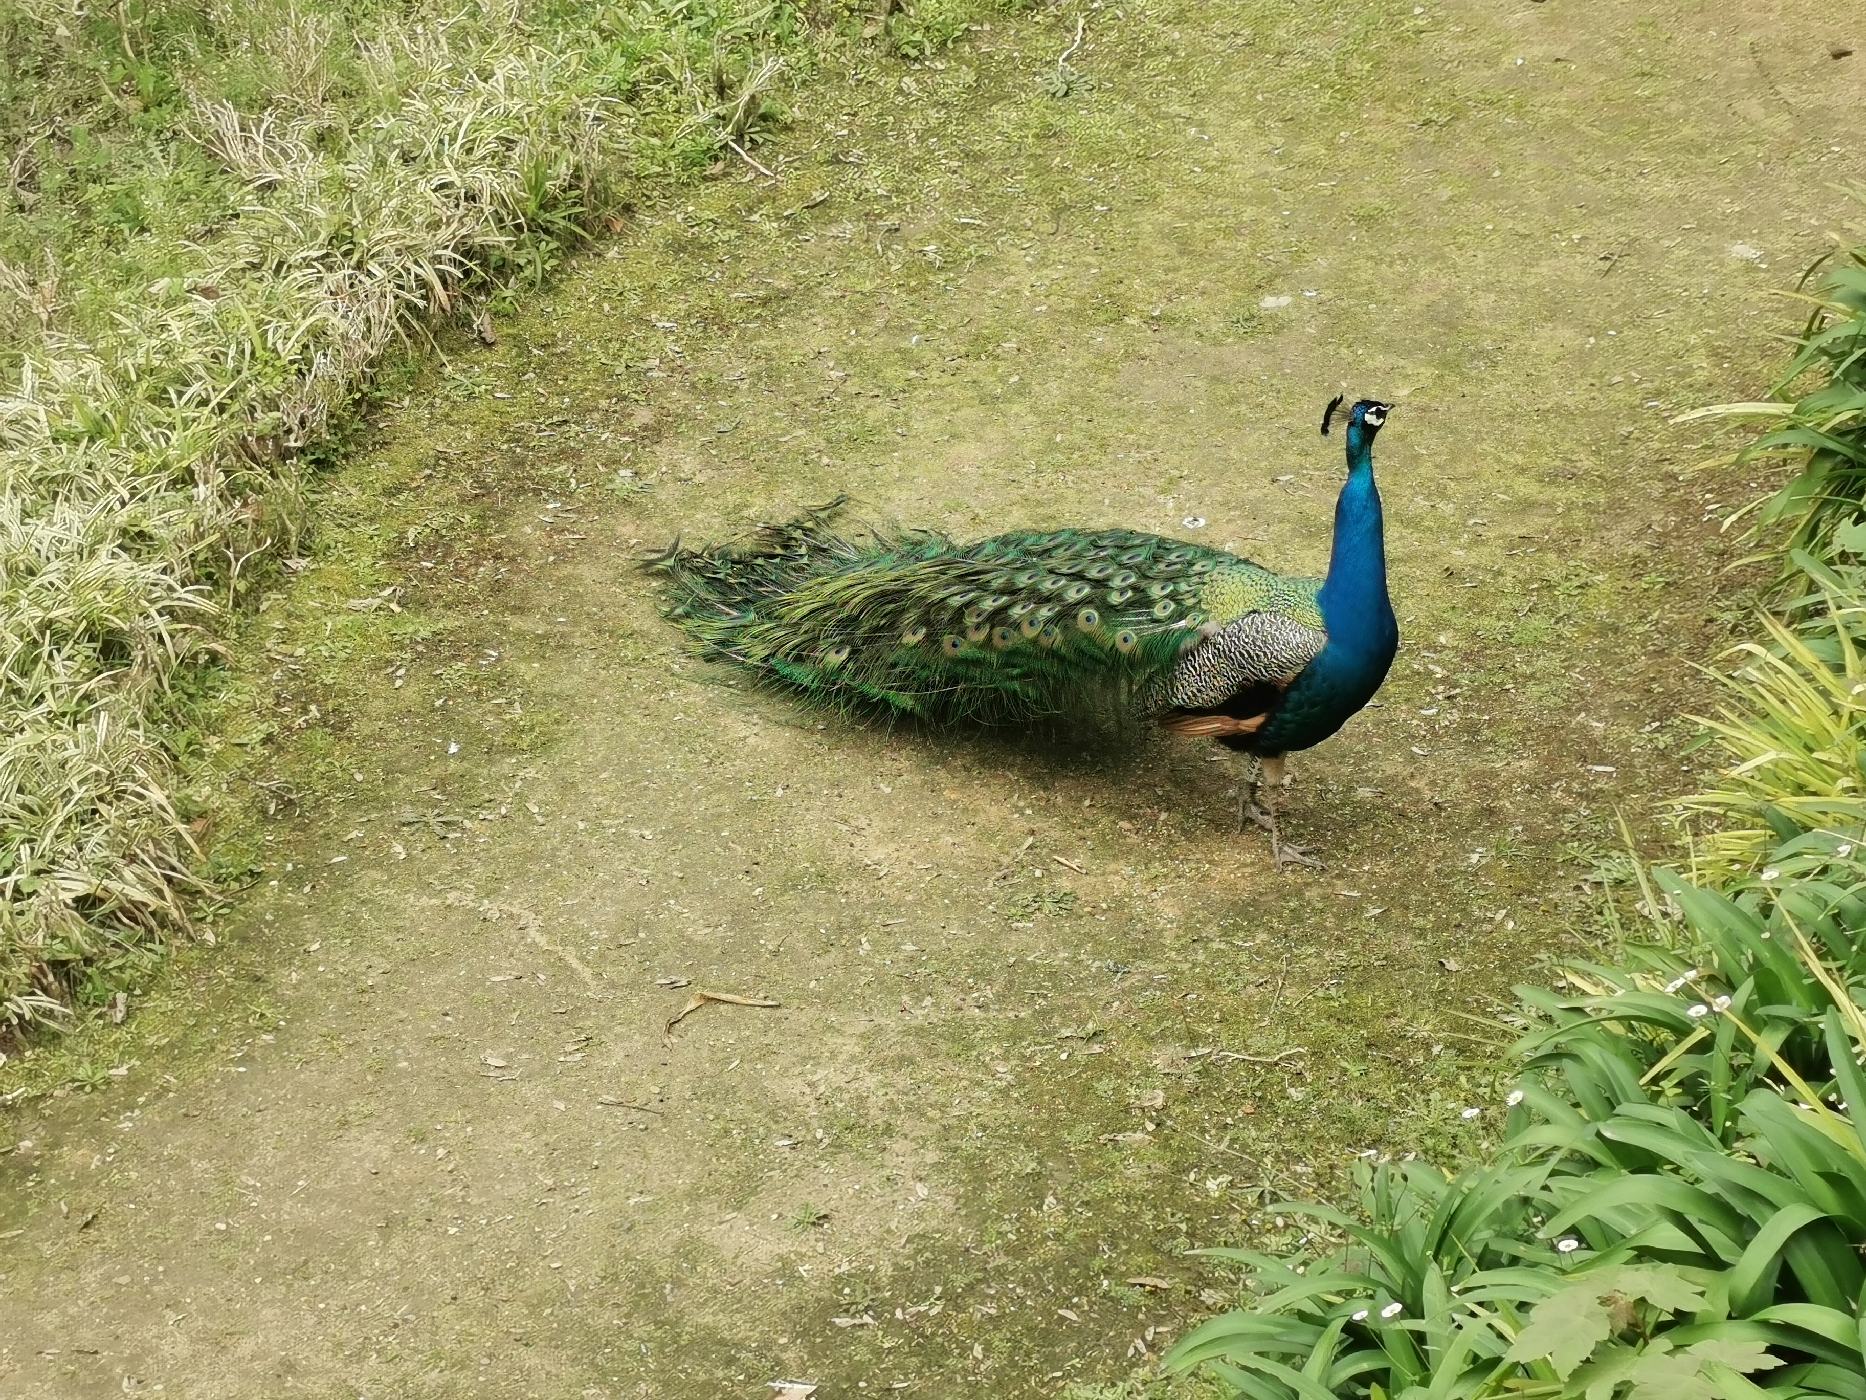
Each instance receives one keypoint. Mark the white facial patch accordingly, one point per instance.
(1375, 416)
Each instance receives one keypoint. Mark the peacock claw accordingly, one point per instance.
(1287, 854)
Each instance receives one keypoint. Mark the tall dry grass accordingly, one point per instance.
(272, 198)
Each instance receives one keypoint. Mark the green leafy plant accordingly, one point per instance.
(1794, 735)
(1679, 1207)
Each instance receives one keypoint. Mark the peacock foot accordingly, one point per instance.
(1288, 854)
(1285, 852)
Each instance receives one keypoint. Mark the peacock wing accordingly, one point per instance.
(1265, 631)
(1262, 648)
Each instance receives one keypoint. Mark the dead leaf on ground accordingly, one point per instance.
(1149, 1281)
(809, 203)
(792, 1390)
(700, 999)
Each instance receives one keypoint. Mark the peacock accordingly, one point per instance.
(1064, 624)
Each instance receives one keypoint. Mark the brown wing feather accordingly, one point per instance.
(1211, 726)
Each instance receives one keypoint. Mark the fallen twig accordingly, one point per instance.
(746, 156)
(701, 998)
(608, 1102)
(1062, 63)
(1275, 1059)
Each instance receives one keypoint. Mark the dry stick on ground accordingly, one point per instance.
(607, 1102)
(746, 156)
(701, 998)
(1275, 1059)
(1062, 62)
(1276, 999)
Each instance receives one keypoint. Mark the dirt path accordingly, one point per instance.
(417, 1129)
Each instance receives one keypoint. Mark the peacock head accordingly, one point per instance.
(1365, 418)
(1363, 422)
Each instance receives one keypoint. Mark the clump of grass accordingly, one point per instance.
(1818, 407)
(225, 217)
(1794, 736)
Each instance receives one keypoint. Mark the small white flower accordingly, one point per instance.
(1721, 1004)
(1359, 1316)
(1468, 1114)
(1514, 1097)
(1771, 873)
(1674, 985)
(1568, 1246)
(1700, 1010)
(1844, 849)
(1391, 1310)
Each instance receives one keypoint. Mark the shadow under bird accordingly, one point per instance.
(1037, 625)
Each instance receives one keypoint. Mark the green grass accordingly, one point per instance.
(223, 222)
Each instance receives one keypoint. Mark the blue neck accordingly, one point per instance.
(1354, 596)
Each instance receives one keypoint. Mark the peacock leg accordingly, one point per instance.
(1273, 777)
(1248, 810)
